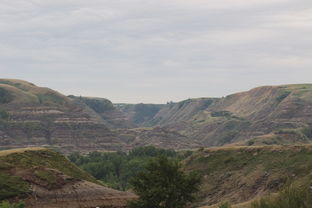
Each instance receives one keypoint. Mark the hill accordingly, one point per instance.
(242, 174)
(36, 116)
(157, 137)
(106, 111)
(264, 115)
(44, 178)
(140, 114)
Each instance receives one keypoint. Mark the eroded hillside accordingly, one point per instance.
(44, 178)
(36, 116)
(264, 115)
(242, 174)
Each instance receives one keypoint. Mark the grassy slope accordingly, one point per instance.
(32, 159)
(239, 174)
(25, 92)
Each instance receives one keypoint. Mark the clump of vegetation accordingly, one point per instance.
(307, 131)
(4, 115)
(47, 176)
(12, 186)
(51, 98)
(225, 205)
(5, 96)
(282, 95)
(99, 105)
(221, 114)
(46, 158)
(274, 166)
(163, 184)
(145, 112)
(116, 168)
(291, 197)
(6, 204)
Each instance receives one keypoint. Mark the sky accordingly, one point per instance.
(154, 51)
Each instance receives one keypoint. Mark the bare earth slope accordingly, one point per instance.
(264, 115)
(36, 116)
(45, 179)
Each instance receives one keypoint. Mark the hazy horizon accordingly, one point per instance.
(133, 51)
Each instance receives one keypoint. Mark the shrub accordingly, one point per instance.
(6, 204)
(5, 96)
(225, 205)
(291, 197)
(163, 184)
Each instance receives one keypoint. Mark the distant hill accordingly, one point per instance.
(264, 115)
(106, 111)
(44, 178)
(36, 116)
(141, 114)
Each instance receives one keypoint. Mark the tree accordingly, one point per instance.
(163, 184)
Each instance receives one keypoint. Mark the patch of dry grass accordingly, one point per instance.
(20, 150)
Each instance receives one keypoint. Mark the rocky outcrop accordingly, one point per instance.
(157, 137)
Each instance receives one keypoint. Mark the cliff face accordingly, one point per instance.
(35, 116)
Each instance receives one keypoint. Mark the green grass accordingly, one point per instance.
(11, 186)
(254, 168)
(6, 204)
(46, 175)
(38, 162)
(51, 98)
(297, 195)
(47, 159)
(18, 91)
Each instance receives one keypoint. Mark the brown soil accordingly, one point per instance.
(79, 194)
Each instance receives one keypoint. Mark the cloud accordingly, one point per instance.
(155, 50)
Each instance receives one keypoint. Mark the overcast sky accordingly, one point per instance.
(155, 51)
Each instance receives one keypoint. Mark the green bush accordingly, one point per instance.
(307, 131)
(282, 95)
(5, 96)
(6, 204)
(11, 186)
(116, 168)
(4, 115)
(291, 197)
(163, 184)
(145, 112)
(225, 205)
(98, 105)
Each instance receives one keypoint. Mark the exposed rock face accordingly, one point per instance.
(157, 137)
(242, 116)
(32, 116)
(78, 194)
(39, 116)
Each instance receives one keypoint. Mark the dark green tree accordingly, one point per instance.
(163, 184)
